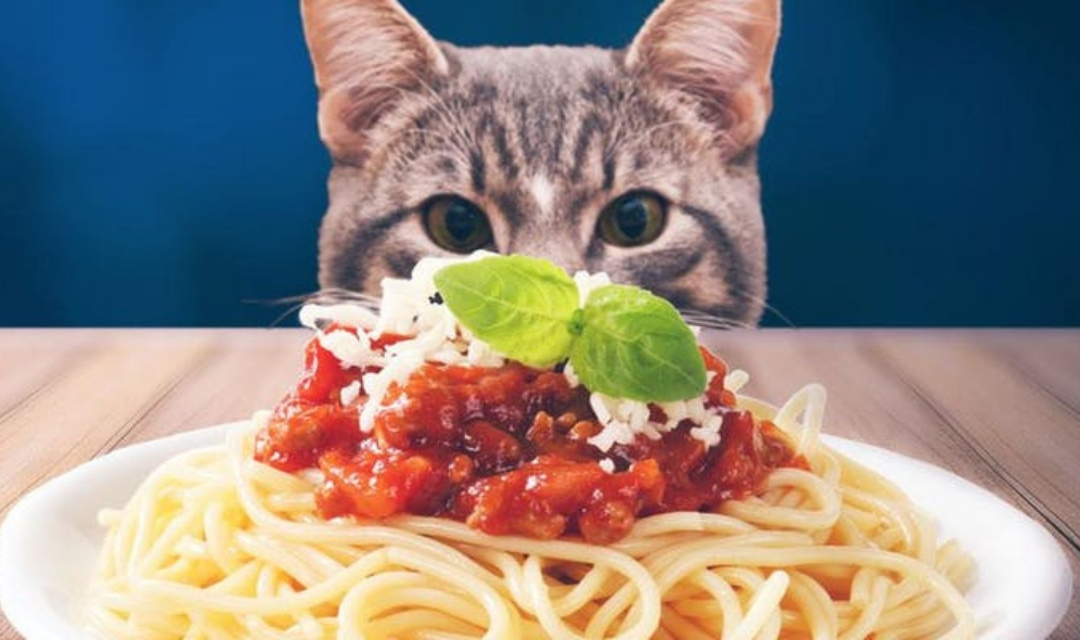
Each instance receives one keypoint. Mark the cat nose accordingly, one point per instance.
(547, 245)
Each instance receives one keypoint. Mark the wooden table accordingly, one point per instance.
(998, 407)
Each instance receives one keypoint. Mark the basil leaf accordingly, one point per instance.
(520, 306)
(635, 345)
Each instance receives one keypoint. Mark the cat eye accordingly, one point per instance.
(633, 219)
(455, 224)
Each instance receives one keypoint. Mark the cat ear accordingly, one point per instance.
(719, 52)
(366, 53)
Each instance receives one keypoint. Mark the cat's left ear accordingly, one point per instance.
(718, 52)
(366, 55)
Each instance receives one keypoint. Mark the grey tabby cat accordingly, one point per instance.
(640, 162)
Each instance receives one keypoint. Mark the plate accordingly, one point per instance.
(50, 539)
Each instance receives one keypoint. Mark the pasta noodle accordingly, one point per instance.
(217, 545)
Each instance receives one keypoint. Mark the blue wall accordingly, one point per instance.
(159, 162)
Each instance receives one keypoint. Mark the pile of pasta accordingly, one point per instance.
(216, 545)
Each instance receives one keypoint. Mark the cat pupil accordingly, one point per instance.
(632, 217)
(462, 221)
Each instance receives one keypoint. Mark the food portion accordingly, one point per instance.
(506, 451)
(506, 447)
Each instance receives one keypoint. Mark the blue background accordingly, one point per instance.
(160, 165)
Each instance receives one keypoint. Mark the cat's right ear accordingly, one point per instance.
(366, 53)
(720, 54)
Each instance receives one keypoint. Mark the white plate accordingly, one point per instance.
(50, 539)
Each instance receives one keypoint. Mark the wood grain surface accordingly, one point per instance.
(998, 407)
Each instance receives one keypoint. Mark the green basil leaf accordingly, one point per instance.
(520, 306)
(636, 345)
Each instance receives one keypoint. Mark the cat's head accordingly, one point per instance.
(640, 162)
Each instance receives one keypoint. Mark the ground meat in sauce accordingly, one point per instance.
(505, 450)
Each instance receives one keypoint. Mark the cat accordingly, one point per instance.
(640, 162)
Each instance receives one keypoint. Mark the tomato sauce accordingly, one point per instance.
(506, 450)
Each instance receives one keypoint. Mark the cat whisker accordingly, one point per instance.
(294, 304)
(705, 320)
(333, 295)
(769, 308)
(329, 296)
(779, 315)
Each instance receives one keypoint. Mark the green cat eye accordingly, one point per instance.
(455, 224)
(633, 219)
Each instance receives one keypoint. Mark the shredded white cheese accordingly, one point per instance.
(411, 308)
(709, 431)
(350, 393)
(349, 315)
(571, 376)
(621, 420)
(353, 350)
(399, 366)
(588, 282)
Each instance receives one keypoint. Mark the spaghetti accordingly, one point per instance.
(418, 484)
(217, 545)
